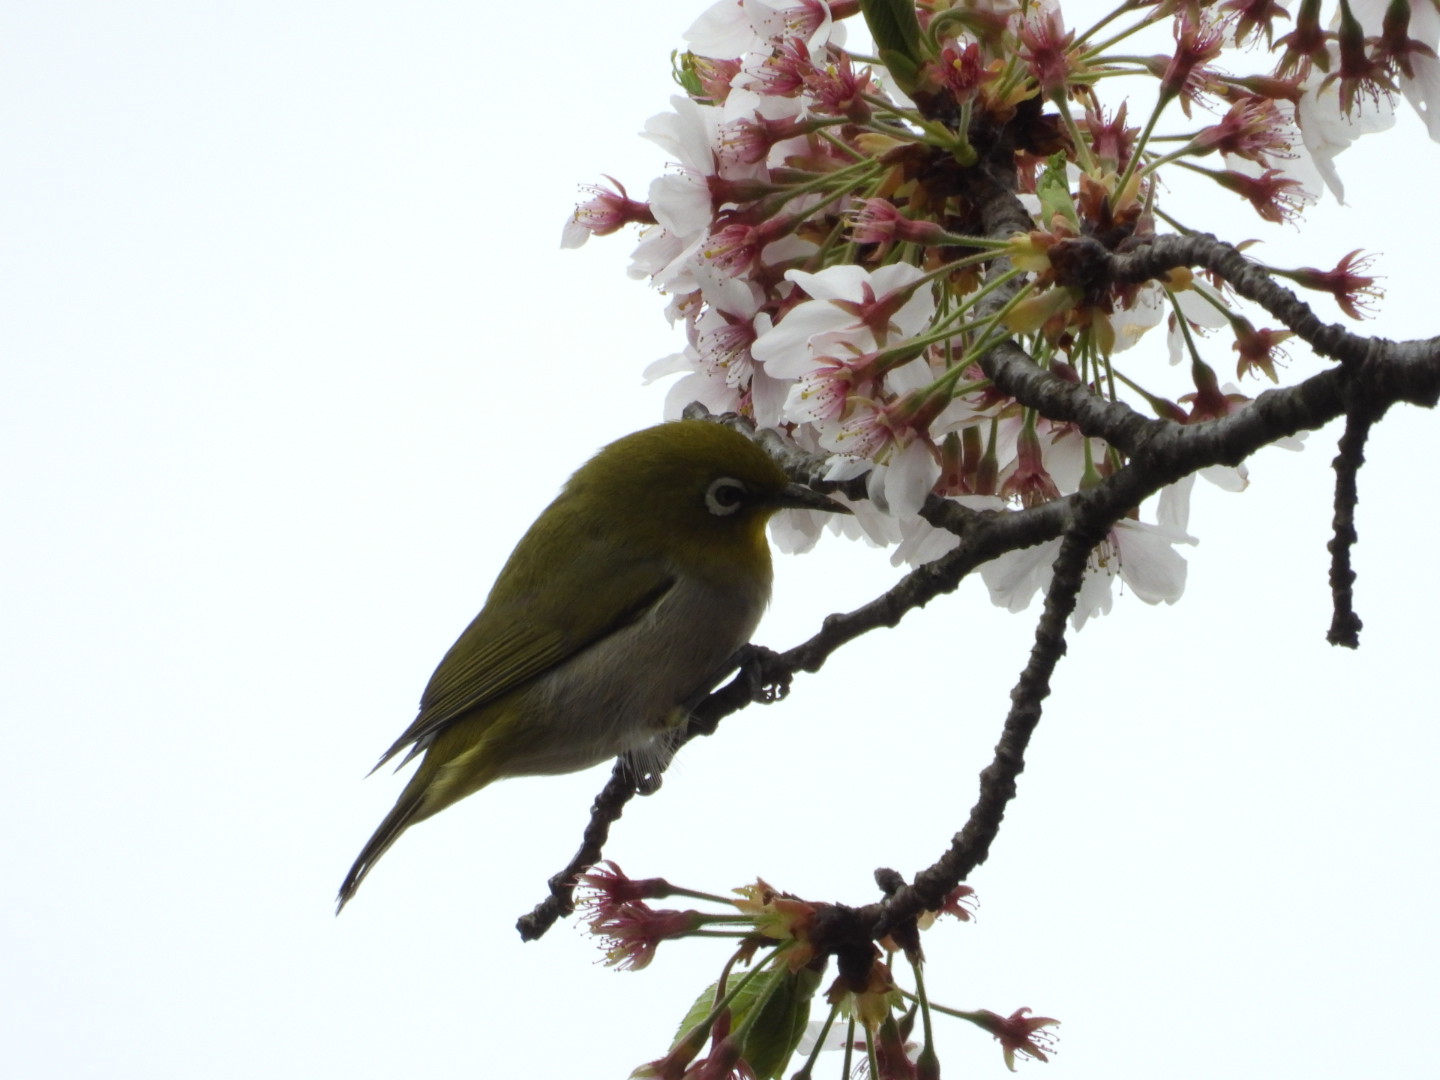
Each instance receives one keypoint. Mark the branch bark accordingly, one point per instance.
(1371, 374)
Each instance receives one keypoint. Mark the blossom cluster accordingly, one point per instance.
(824, 239)
(750, 1024)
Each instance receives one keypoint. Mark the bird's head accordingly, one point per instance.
(694, 489)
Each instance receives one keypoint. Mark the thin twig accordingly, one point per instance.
(1372, 374)
(1345, 624)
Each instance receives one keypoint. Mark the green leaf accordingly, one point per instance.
(777, 1029)
(743, 1001)
(698, 1011)
(893, 25)
(682, 69)
(896, 31)
(1053, 188)
(905, 72)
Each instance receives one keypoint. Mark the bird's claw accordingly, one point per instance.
(767, 677)
(642, 773)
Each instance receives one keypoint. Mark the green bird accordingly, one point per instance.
(628, 596)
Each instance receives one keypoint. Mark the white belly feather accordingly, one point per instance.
(621, 694)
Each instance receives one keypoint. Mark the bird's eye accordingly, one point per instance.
(724, 496)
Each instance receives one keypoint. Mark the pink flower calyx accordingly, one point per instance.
(1209, 402)
(1274, 197)
(1028, 481)
(877, 313)
(635, 931)
(674, 1065)
(724, 1062)
(892, 1052)
(1110, 140)
(824, 392)
(961, 70)
(1197, 42)
(713, 76)
(736, 248)
(879, 221)
(1253, 128)
(1268, 86)
(805, 19)
(607, 212)
(1353, 291)
(1047, 51)
(1394, 47)
(1252, 15)
(727, 192)
(959, 901)
(1359, 72)
(1306, 44)
(605, 885)
(1258, 348)
(838, 89)
(786, 72)
(748, 140)
(1018, 1033)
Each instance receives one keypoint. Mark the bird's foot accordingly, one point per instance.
(767, 676)
(644, 771)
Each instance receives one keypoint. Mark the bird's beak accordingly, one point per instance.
(800, 497)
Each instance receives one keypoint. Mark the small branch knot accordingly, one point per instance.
(1082, 262)
(889, 881)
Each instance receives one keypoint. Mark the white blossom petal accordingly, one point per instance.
(1132, 323)
(908, 477)
(668, 365)
(1149, 563)
(785, 343)
(657, 249)
(915, 375)
(1327, 130)
(1226, 478)
(1096, 597)
(574, 234)
(844, 281)
(1016, 576)
(688, 133)
(767, 398)
(681, 203)
(796, 531)
(1173, 511)
(723, 32)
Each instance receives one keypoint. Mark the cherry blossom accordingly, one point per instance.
(863, 247)
(848, 303)
(1140, 554)
(809, 237)
(1017, 1033)
(1328, 130)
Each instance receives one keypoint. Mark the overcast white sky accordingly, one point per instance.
(291, 357)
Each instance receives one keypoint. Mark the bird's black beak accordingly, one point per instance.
(800, 497)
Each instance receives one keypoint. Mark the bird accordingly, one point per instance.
(629, 596)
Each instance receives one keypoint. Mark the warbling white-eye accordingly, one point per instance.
(629, 595)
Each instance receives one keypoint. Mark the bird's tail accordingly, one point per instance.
(440, 781)
(406, 812)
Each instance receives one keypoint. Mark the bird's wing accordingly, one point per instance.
(528, 627)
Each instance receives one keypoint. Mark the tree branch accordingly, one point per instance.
(1345, 624)
(1372, 374)
(971, 845)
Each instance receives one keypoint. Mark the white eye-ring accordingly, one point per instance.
(724, 496)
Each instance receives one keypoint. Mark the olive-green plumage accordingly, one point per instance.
(629, 595)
